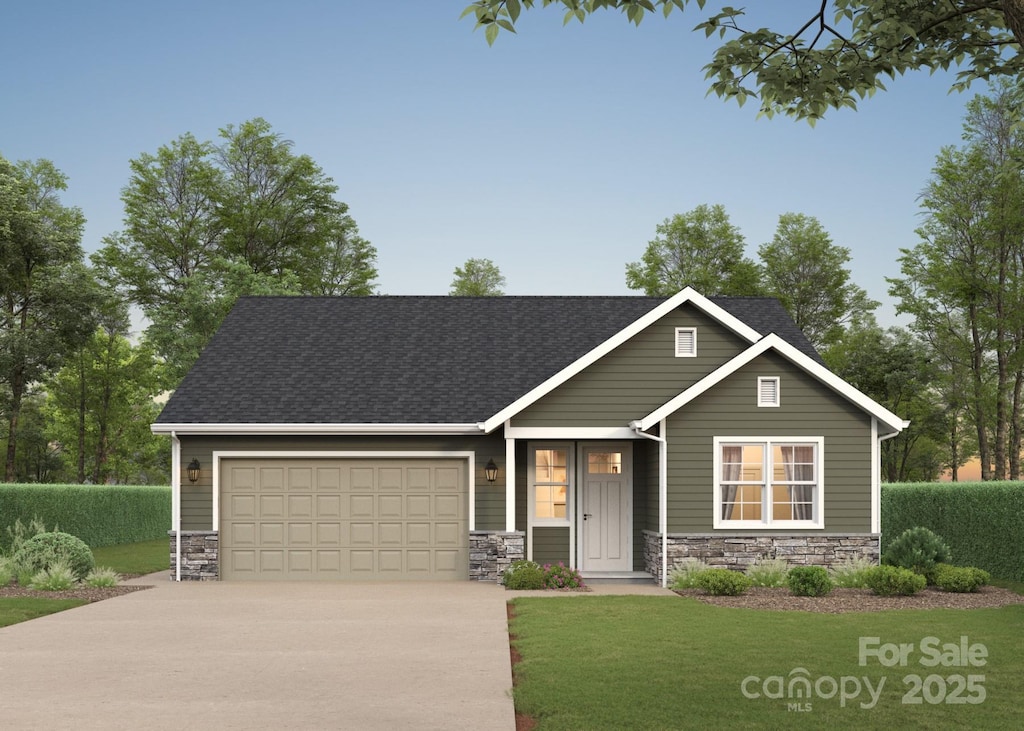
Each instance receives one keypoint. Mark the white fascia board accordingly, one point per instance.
(569, 432)
(315, 429)
(799, 359)
(687, 295)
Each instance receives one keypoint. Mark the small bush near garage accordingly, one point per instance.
(684, 574)
(770, 572)
(894, 581)
(45, 550)
(960, 579)
(723, 582)
(918, 549)
(523, 575)
(809, 581)
(561, 577)
(57, 577)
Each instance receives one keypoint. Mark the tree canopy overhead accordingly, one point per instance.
(837, 53)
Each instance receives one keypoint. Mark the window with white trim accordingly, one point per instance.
(686, 342)
(550, 473)
(763, 483)
(768, 391)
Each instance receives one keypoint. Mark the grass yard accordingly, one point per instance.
(135, 558)
(14, 610)
(613, 662)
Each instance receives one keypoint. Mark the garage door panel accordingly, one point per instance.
(361, 534)
(417, 534)
(390, 534)
(338, 518)
(360, 506)
(447, 506)
(328, 506)
(300, 534)
(271, 506)
(417, 506)
(271, 479)
(389, 506)
(300, 506)
(300, 479)
(328, 534)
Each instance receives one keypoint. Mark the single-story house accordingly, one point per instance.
(444, 437)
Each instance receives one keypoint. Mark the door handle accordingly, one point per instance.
(586, 515)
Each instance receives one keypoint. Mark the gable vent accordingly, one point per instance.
(768, 391)
(686, 342)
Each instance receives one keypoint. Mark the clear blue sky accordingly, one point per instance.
(555, 153)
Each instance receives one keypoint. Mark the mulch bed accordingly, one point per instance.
(840, 601)
(87, 593)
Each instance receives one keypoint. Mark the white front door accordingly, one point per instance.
(606, 518)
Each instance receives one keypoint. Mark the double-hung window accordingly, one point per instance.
(768, 482)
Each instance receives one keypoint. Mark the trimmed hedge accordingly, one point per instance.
(100, 515)
(981, 522)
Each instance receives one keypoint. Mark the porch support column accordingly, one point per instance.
(663, 498)
(510, 485)
(176, 502)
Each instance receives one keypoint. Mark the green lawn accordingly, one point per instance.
(618, 662)
(19, 609)
(135, 558)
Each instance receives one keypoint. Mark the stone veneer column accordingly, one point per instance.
(738, 552)
(200, 555)
(492, 552)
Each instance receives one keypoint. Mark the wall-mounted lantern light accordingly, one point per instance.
(193, 470)
(491, 470)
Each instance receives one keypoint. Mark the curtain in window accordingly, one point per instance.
(799, 465)
(732, 469)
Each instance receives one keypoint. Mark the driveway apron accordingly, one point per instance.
(225, 655)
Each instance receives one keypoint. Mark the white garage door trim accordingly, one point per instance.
(470, 457)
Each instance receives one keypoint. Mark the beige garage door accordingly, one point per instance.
(344, 519)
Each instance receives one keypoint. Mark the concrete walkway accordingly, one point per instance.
(260, 655)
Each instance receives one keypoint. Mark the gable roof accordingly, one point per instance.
(414, 360)
(774, 343)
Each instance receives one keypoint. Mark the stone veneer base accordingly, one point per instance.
(200, 555)
(739, 551)
(492, 552)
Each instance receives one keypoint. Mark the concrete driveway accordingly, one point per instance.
(260, 655)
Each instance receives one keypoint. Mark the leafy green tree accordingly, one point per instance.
(48, 295)
(207, 223)
(101, 403)
(700, 249)
(809, 275)
(837, 54)
(964, 283)
(897, 370)
(477, 278)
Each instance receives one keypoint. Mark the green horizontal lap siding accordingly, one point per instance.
(197, 503)
(808, 409)
(551, 545)
(637, 377)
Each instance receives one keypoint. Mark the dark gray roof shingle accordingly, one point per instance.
(406, 360)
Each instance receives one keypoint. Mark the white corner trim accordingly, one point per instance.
(687, 295)
(314, 429)
(802, 361)
(876, 474)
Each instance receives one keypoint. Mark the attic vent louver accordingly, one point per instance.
(686, 342)
(768, 391)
